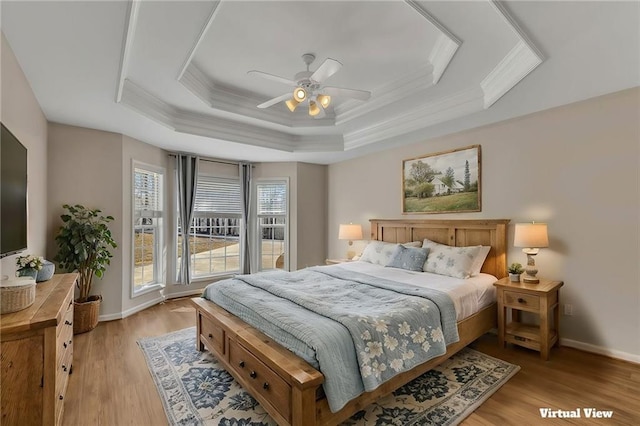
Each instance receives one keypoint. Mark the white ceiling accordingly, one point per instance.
(174, 74)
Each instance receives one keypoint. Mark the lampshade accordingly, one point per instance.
(292, 104)
(531, 235)
(314, 109)
(350, 232)
(324, 100)
(299, 94)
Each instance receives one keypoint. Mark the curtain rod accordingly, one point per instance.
(212, 160)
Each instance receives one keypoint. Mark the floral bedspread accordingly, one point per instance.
(392, 326)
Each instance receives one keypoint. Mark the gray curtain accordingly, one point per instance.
(187, 166)
(245, 199)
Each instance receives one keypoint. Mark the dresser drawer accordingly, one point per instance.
(213, 334)
(65, 335)
(261, 378)
(522, 301)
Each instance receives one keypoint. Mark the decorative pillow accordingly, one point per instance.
(379, 252)
(479, 260)
(451, 261)
(409, 258)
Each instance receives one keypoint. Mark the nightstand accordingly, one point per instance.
(336, 261)
(540, 299)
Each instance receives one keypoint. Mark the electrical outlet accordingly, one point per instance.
(568, 309)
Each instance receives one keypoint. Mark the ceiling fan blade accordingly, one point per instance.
(328, 68)
(275, 100)
(362, 95)
(272, 77)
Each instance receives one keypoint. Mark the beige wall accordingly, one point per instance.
(21, 114)
(311, 209)
(86, 167)
(575, 167)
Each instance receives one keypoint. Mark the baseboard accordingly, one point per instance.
(131, 311)
(587, 347)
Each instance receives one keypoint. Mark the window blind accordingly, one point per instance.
(147, 196)
(218, 195)
(272, 198)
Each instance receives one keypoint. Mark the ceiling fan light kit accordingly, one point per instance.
(308, 87)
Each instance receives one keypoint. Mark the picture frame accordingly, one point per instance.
(443, 182)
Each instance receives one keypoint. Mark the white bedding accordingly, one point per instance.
(469, 295)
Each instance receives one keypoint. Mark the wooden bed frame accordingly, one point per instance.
(288, 388)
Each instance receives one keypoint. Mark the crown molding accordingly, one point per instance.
(521, 60)
(141, 101)
(518, 63)
(441, 55)
(203, 32)
(243, 103)
(416, 6)
(127, 44)
(395, 91)
(443, 109)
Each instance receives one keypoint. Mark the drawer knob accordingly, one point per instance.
(521, 300)
(67, 322)
(64, 367)
(265, 386)
(70, 341)
(241, 364)
(64, 344)
(253, 374)
(210, 336)
(61, 397)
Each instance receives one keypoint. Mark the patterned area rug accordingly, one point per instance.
(196, 390)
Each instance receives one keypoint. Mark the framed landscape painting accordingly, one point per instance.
(444, 182)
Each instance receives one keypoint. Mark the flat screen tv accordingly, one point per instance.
(13, 194)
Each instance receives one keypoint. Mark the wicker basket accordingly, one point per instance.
(17, 294)
(85, 314)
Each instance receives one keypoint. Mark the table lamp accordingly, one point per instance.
(531, 236)
(350, 232)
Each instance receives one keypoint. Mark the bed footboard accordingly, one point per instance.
(284, 384)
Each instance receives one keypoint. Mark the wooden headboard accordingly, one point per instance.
(485, 232)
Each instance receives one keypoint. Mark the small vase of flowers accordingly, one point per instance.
(29, 265)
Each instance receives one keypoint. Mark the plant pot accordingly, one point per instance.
(515, 278)
(85, 314)
(27, 272)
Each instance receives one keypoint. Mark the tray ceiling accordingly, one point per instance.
(182, 67)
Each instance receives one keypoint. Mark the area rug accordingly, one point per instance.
(196, 390)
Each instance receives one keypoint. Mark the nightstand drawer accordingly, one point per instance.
(522, 301)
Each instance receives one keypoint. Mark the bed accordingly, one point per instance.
(290, 388)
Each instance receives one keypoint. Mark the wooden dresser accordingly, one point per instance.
(36, 353)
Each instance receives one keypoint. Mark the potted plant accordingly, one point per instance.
(515, 270)
(84, 244)
(28, 266)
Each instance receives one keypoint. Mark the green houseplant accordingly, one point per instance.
(515, 270)
(84, 245)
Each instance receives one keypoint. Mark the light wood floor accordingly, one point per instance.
(111, 384)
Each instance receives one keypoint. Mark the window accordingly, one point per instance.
(214, 234)
(272, 205)
(147, 227)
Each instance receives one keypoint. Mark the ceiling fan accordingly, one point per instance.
(309, 88)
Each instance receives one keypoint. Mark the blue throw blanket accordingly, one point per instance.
(359, 330)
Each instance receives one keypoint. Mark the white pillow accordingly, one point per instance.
(479, 261)
(379, 252)
(448, 260)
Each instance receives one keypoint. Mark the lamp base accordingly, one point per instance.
(531, 270)
(351, 254)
